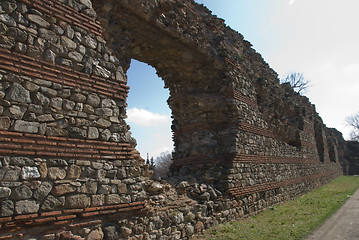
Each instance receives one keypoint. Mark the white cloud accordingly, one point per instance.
(275, 20)
(146, 118)
(151, 130)
(351, 71)
(325, 48)
(334, 92)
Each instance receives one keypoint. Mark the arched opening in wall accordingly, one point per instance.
(148, 113)
(199, 97)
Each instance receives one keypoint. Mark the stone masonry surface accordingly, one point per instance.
(69, 168)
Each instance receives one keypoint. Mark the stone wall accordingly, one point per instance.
(346, 151)
(69, 167)
(351, 159)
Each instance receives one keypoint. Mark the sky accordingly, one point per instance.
(319, 38)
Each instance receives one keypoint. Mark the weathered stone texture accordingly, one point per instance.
(26, 207)
(68, 167)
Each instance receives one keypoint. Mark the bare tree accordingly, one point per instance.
(163, 163)
(353, 121)
(297, 81)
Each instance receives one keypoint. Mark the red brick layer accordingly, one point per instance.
(259, 159)
(67, 14)
(307, 144)
(243, 158)
(246, 127)
(247, 190)
(66, 217)
(247, 100)
(26, 144)
(28, 66)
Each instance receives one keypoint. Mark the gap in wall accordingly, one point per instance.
(148, 112)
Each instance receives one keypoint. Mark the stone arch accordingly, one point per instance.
(193, 76)
(227, 105)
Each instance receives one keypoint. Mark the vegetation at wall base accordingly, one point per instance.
(294, 219)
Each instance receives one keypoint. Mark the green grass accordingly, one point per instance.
(294, 219)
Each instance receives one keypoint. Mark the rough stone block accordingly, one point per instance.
(111, 233)
(48, 35)
(51, 203)
(21, 161)
(125, 232)
(93, 100)
(67, 42)
(7, 208)
(28, 127)
(55, 173)
(73, 172)
(98, 200)
(113, 199)
(7, 20)
(5, 192)
(56, 103)
(17, 34)
(102, 72)
(35, 108)
(75, 56)
(78, 201)
(68, 105)
(33, 51)
(103, 123)
(63, 189)
(32, 87)
(41, 99)
(49, 56)
(18, 93)
(64, 61)
(95, 234)
(76, 132)
(121, 188)
(78, 97)
(89, 187)
(48, 91)
(12, 175)
(6, 42)
(42, 191)
(29, 173)
(104, 112)
(5, 123)
(43, 170)
(38, 20)
(9, 7)
(21, 192)
(26, 207)
(90, 42)
(15, 112)
(106, 134)
(43, 82)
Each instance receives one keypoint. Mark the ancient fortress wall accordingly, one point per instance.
(69, 168)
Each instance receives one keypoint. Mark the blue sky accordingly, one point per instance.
(319, 38)
(148, 113)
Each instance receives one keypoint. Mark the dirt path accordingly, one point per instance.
(343, 225)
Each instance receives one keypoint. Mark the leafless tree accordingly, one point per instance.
(163, 163)
(297, 81)
(353, 121)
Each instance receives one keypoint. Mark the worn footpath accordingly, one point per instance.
(343, 225)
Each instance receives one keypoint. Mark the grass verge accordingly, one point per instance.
(294, 219)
